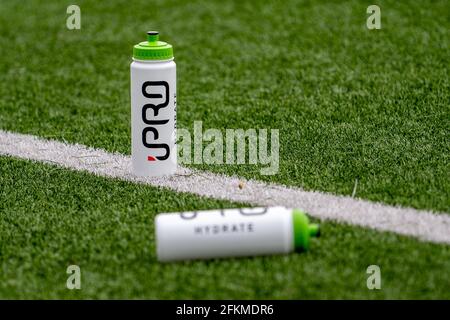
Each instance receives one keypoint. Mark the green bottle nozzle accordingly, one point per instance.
(314, 230)
(153, 49)
(152, 36)
(303, 230)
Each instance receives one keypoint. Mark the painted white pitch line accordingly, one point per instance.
(424, 225)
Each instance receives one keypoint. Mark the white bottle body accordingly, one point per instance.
(224, 233)
(153, 117)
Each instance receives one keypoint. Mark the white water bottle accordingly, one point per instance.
(232, 233)
(153, 108)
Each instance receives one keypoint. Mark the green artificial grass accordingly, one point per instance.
(351, 103)
(52, 218)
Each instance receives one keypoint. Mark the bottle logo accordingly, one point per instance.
(154, 122)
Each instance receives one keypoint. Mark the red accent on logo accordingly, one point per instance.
(151, 158)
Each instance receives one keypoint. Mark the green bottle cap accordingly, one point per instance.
(153, 49)
(303, 231)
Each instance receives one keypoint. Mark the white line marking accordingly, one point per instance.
(425, 225)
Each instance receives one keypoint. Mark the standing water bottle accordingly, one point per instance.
(153, 108)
